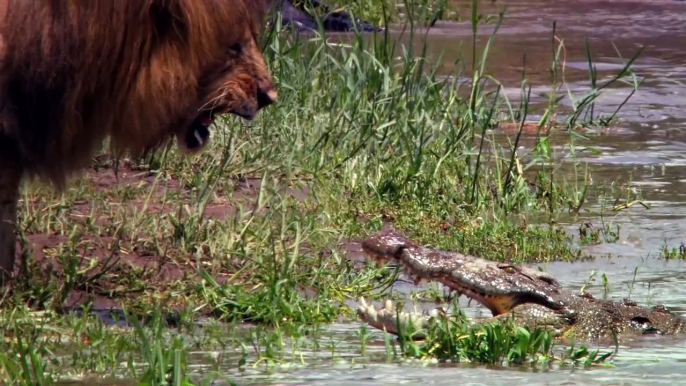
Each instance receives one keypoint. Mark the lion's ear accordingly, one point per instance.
(169, 19)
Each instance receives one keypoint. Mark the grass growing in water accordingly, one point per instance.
(453, 338)
(255, 229)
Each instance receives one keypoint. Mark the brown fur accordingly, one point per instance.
(73, 72)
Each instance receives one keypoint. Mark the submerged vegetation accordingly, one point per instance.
(452, 337)
(258, 228)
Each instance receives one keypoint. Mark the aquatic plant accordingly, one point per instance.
(451, 337)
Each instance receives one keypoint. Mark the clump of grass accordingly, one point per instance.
(46, 349)
(673, 253)
(588, 234)
(452, 337)
(26, 364)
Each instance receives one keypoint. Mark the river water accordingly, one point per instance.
(648, 145)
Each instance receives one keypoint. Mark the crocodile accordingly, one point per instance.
(530, 297)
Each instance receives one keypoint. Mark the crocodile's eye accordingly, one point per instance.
(645, 324)
(510, 269)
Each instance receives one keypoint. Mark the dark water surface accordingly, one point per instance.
(648, 146)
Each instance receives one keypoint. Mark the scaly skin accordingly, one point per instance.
(531, 297)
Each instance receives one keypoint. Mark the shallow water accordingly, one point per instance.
(649, 143)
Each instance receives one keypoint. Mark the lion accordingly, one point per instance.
(139, 72)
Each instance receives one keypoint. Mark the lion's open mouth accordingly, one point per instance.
(198, 134)
(247, 117)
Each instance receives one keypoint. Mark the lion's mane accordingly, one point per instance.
(73, 72)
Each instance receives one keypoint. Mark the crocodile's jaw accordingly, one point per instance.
(389, 319)
(392, 320)
(468, 275)
(497, 304)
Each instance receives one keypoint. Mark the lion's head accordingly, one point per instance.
(242, 86)
(238, 84)
(141, 71)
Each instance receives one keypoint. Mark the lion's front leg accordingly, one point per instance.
(10, 177)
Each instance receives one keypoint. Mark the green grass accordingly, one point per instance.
(453, 338)
(674, 253)
(382, 12)
(365, 133)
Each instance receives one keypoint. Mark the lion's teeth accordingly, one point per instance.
(198, 138)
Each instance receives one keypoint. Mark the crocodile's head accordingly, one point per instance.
(498, 286)
(528, 296)
(637, 320)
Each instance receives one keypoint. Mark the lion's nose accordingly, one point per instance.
(265, 97)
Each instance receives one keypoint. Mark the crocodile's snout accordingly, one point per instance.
(498, 286)
(385, 246)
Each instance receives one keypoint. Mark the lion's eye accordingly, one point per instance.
(236, 48)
